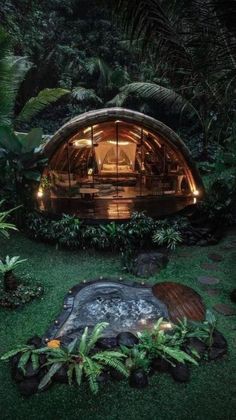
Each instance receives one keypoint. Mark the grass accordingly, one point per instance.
(211, 394)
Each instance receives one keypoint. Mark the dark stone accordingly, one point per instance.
(160, 365)
(29, 386)
(208, 280)
(216, 353)
(224, 309)
(180, 372)
(209, 266)
(61, 375)
(35, 341)
(42, 359)
(215, 257)
(148, 264)
(233, 295)
(127, 339)
(103, 378)
(219, 340)
(138, 379)
(202, 242)
(195, 344)
(116, 375)
(30, 371)
(107, 343)
(10, 282)
(212, 292)
(16, 373)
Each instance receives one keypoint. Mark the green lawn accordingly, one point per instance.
(211, 394)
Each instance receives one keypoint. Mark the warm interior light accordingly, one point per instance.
(120, 143)
(90, 171)
(166, 326)
(40, 193)
(82, 143)
(87, 130)
(194, 200)
(196, 193)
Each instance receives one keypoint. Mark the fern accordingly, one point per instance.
(40, 102)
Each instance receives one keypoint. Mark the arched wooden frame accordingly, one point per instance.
(93, 118)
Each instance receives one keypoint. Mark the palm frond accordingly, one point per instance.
(82, 94)
(38, 103)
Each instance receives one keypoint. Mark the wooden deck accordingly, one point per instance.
(181, 301)
(116, 208)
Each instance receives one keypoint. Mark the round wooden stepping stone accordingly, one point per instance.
(212, 292)
(208, 280)
(208, 266)
(224, 309)
(181, 301)
(215, 257)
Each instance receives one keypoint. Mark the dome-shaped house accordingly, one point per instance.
(106, 164)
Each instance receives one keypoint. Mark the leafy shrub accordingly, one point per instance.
(19, 297)
(219, 205)
(167, 236)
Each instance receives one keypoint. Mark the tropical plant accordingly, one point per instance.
(4, 225)
(158, 343)
(27, 354)
(7, 268)
(196, 56)
(136, 359)
(167, 236)
(80, 361)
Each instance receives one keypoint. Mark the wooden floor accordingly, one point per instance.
(116, 208)
(181, 301)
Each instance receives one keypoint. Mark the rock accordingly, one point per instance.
(30, 371)
(215, 257)
(148, 264)
(16, 373)
(208, 280)
(219, 340)
(209, 266)
(216, 353)
(104, 377)
(107, 343)
(224, 309)
(116, 375)
(195, 344)
(127, 339)
(160, 365)
(233, 295)
(202, 242)
(61, 375)
(180, 372)
(138, 379)
(212, 292)
(29, 386)
(35, 341)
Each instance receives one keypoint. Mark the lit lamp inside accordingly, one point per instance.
(195, 193)
(40, 193)
(166, 326)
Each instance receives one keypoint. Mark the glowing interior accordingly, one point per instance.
(117, 159)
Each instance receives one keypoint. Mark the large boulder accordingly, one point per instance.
(180, 372)
(149, 263)
(138, 379)
(127, 339)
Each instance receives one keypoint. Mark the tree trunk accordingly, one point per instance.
(10, 282)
